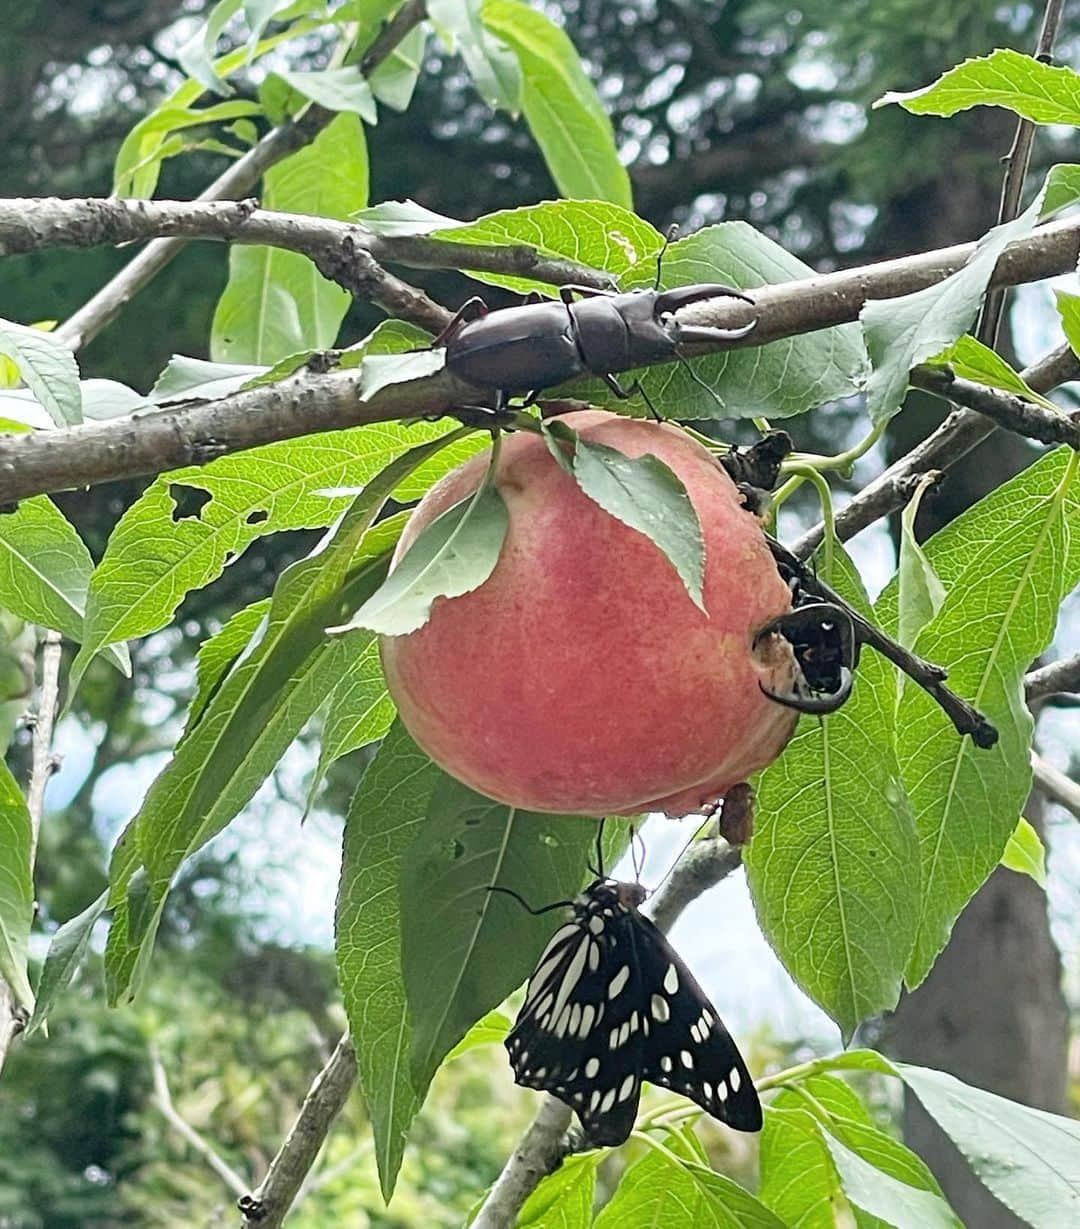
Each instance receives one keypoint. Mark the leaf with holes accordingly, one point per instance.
(829, 867)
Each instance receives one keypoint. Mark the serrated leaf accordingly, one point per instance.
(336, 89)
(921, 592)
(890, 1200)
(464, 947)
(277, 302)
(971, 360)
(999, 615)
(45, 571)
(453, 555)
(48, 369)
(247, 725)
(16, 887)
(595, 233)
(490, 1030)
(359, 710)
(156, 554)
(387, 812)
(185, 378)
(564, 1199)
(905, 331)
(647, 495)
(830, 865)
(218, 654)
(1042, 93)
(67, 950)
(778, 380)
(1025, 853)
(564, 113)
(663, 1189)
(492, 66)
(797, 1181)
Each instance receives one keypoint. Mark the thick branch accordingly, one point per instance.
(270, 1204)
(237, 181)
(1056, 785)
(1048, 680)
(37, 463)
(545, 1145)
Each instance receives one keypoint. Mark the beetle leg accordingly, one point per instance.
(471, 309)
(624, 394)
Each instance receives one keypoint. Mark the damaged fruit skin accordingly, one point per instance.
(581, 678)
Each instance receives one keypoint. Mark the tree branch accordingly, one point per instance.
(1048, 680)
(545, 1145)
(1056, 785)
(235, 182)
(163, 1100)
(197, 432)
(268, 1206)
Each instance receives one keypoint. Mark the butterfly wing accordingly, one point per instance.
(688, 1049)
(580, 1034)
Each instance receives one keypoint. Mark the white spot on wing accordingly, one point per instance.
(572, 975)
(671, 979)
(596, 924)
(594, 1101)
(687, 1059)
(587, 1014)
(665, 1063)
(592, 1067)
(594, 957)
(660, 1009)
(735, 1078)
(627, 1088)
(608, 1101)
(618, 982)
(721, 1091)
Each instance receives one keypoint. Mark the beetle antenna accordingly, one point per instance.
(669, 238)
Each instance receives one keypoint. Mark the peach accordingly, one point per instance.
(581, 678)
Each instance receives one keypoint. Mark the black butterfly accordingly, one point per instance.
(609, 1005)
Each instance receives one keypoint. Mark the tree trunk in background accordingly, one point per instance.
(992, 1012)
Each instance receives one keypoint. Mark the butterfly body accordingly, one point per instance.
(611, 1005)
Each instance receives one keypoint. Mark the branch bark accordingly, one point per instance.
(1048, 680)
(1056, 785)
(197, 432)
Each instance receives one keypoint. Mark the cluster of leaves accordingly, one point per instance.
(424, 950)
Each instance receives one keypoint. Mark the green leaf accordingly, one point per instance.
(921, 591)
(404, 217)
(564, 1199)
(830, 865)
(1039, 92)
(336, 89)
(999, 615)
(664, 1189)
(388, 811)
(453, 555)
(138, 162)
(1025, 853)
(277, 302)
(905, 331)
(798, 1182)
(490, 1030)
(464, 947)
(48, 369)
(156, 554)
(1068, 306)
(645, 494)
(594, 233)
(218, 654)
(251, 720)
(562, 108)
(889, 1199)
(492, 66)
(971, 360)
(778, 380)
(67, 950)
(184, 377)
(394, 80)
(359, 711)
(16, 887)
(195, 56)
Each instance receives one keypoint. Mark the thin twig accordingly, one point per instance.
(163, 1100)
(1059, 676)
(237, 181)
(545, 1144)
(267, 1207)
(1056, 785)
(1017, 161)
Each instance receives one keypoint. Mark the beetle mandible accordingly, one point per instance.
(528, 348)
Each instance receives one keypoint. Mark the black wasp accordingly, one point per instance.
(611, 1005)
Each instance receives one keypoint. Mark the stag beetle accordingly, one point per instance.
(527, 348)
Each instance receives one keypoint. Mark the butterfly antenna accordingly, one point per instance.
(694, 836)
(672, 231)
(559, 904)
(598, 869)
(637, 846)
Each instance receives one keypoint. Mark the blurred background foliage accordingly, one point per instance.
(756, 109)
